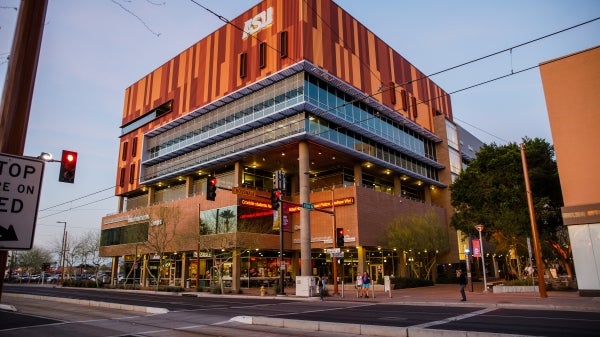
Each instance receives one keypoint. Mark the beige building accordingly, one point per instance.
(572, 91)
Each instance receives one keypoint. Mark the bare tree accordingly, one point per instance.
(88, 247)
(161, 235)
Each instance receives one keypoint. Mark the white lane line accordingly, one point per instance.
(455, 318)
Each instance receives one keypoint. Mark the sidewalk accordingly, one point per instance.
(448, 294)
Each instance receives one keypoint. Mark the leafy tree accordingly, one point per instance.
(31, 261)
(491, 191)
(425, 234)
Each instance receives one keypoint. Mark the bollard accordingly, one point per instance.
(262, 290)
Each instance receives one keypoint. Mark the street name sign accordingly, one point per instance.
(20, 185)
(308, 205)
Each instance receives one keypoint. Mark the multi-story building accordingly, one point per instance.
(575, 125)
(299, 87)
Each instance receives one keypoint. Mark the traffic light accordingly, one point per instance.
(68, 162)
(275, 199)
(339, 237)
(211, 188)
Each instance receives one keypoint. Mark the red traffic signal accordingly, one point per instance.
(339, 237)
(211, 188)
(68, 163)
(275, 199)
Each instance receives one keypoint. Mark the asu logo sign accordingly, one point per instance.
(262, 20)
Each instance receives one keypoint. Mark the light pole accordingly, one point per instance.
(479, 228)
(469, 281)
(64, 248)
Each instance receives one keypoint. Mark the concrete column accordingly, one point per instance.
(183, 273)
(397, 186)
(151, 191)
(294, 272)
(120, 203)
(189, 186)
(427, 192)
(114, 270)
(360, 251)
(236, 270)
(304, 179)
(357, 175)
(238, 171)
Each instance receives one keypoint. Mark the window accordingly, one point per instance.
(122, 177)
(134, 147)
(243, 65)
(131, 173)
(283, 44)
(404, 98)
(262, 55)
(124, 151)
(392, 90)
(414, 107)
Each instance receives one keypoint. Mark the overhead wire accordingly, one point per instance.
(382, 88)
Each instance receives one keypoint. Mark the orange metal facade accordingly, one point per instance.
(318, 31)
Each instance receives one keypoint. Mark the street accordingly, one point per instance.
(210, 315)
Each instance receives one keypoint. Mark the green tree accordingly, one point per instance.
(425, 234)
(31, 261)
(491, 191)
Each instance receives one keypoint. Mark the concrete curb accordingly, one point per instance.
(7, 307)
(99, 304)
(360, 329)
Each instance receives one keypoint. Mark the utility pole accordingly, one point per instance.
(534, 232)
(18, 86)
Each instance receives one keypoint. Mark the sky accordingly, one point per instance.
(92, 50)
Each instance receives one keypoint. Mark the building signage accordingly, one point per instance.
(20, 185)
(326, 204)
(246, 192)
(138, 217)
(262, 20)
(256, 203)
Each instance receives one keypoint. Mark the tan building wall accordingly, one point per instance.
(572, 91)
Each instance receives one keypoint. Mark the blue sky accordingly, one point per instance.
(93, 49)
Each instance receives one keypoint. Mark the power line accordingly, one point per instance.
(78, 198)
(381, 89)
(67, 210)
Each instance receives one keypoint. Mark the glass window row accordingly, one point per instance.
(344, 106)
(247, 109)
(262, 135)
(325, 129)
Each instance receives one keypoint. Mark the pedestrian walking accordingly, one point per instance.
(462, 281)
(321, 287)
(359, 285)
(366, 283)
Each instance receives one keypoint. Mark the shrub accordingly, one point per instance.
(171, 289)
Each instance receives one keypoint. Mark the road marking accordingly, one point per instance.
(455, 318)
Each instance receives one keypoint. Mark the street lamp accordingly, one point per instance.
(469, 281)
(64, 248)
(479, 228)
(47, 157)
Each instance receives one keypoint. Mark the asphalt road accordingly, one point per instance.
(199, 315)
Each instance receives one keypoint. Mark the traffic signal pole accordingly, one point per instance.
(334, 239)
(18, 86)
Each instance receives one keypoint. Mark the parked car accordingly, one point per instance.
(53, 278)
(102, 278)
